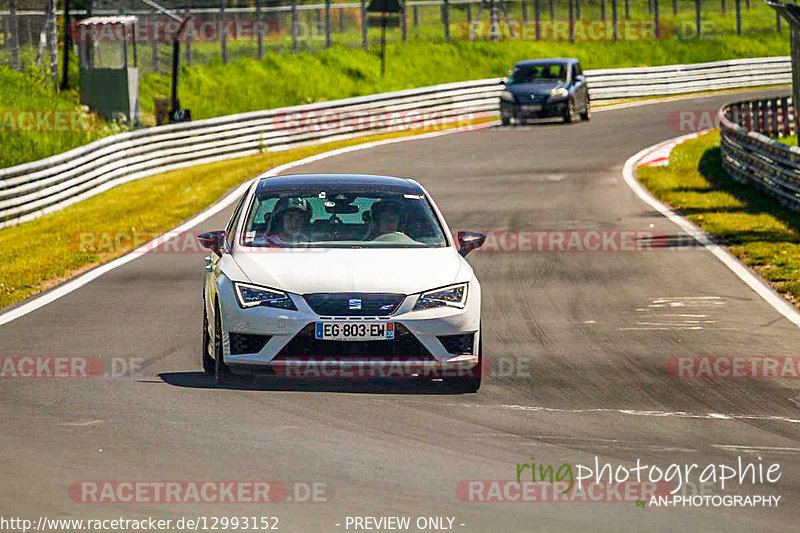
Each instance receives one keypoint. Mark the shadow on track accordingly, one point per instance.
(268, 383)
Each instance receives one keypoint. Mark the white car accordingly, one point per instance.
(339, 275)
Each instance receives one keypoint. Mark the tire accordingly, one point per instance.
(221, 370)
(587, 115)
(572, 113)
(209, 366)
(505, 120)
(471, 382)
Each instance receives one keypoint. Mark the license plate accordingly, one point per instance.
(532, 107)
(354, 331)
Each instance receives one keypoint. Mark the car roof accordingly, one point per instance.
(566, 60)
(365, 182)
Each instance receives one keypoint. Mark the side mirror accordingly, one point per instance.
(580, 77)
(468, 241)
(212, 240)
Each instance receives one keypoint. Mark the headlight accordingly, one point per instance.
(507, 96)
(453, 296)
(253, 295)
(560, 92)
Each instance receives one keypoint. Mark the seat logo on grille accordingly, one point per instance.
(354, 304)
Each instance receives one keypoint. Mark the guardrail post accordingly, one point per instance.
(783, 111)
(776, 126)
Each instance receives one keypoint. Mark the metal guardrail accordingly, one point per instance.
(33, 189)
(751, 155)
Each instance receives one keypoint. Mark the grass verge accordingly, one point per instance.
(42, 253)
(757, 230)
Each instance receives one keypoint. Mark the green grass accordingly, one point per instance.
(756, 229)
(32, 92)
(45, 251)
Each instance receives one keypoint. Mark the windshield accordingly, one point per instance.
(540, 72)
(342, 219)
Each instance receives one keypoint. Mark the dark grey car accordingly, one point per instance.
(545, 88)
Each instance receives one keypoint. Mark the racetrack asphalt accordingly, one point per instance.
(580, 343)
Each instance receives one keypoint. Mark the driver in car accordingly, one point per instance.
(292, 222)
(386, 217)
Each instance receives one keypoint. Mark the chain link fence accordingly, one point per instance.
(224, 30)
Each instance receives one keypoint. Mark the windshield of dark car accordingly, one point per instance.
(538, 72)
(341, 219)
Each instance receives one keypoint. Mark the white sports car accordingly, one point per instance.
(338, 275)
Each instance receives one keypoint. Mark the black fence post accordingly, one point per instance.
(698, 8)
(328, 41)
(738, 17)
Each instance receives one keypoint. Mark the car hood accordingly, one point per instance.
(398, 270)
(540, 87)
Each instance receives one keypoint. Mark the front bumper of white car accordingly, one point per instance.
(441, 339)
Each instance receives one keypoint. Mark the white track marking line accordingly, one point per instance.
(88, 423)
(761, 288)
(80, 281)
(652, 413)
(754, 449)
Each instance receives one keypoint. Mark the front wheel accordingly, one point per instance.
(587, 114)
(221, 370)
(209, 366)
(505, 120)
(472, 381)
(572, 113)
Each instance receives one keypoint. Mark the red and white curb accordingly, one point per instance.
(659, 157)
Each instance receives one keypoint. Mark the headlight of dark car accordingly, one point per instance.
(507, 96)
(253, 296)
(559, 93)
(451, 296)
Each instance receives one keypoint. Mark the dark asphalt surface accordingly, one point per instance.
(590, 335)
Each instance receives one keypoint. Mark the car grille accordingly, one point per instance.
(242, 343)
(339, 304)
(458, 344)
(305, 346)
